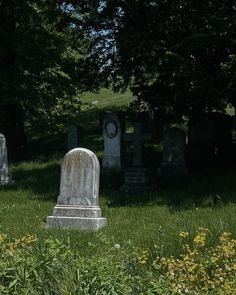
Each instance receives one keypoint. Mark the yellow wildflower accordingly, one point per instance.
(200, 239)
(2, 237)
(183, 234)
(142, 259)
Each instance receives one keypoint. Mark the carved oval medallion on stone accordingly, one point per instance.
(112, 143)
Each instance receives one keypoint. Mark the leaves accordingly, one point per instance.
(169, 53)
(42, 63)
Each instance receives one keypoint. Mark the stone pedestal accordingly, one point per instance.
(77, 205)
(136, 180)
(72, 216)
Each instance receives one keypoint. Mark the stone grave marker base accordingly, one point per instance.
(172, 169)
(5, 179)
(72, 216)
(136, 180)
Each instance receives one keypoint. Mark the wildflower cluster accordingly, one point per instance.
(201, 269)
(8, 247)
(143, 257)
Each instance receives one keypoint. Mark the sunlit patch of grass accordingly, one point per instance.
(106, 98)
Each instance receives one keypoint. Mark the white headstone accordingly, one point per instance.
(5, 178)
(112, 143)
(173, 157)
(77, 205)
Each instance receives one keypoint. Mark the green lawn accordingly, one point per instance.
(107, 99)
(177, 205)
(154, 218)
(135, 223)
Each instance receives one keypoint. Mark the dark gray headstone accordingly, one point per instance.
(137, 178)
(72, 137)
(173, 157)
(138, 138)
(209, 139)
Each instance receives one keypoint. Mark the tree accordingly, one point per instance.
(42, 67)
(175, 55)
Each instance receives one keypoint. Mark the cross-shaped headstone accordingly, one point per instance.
(138, 138)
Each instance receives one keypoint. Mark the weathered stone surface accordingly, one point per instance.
(77, 204)
(72, 137)
(137, 178)
(173, 157)
(5, 178)
(138, 137)
(112, 143)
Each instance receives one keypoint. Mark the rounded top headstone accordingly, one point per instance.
(79, 178)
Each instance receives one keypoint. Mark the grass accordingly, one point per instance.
(82, 262)
(205, 198)
(107, 99)
(148, 219)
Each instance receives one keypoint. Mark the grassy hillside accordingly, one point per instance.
(107, 99)
(193, 212)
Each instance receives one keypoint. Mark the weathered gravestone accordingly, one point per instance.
(138, 137)
(173, 156)
(77, 205)
(209, 139)
(72, 137)
(136, 177)
(112, 143)
(5, 178)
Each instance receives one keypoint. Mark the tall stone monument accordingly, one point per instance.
(77, 205)
(173, 156)
(72, 137)
(5, 177)
(137, 177)
(112, 143)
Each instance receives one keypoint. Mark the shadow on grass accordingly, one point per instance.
(209, 187)
(43, 181)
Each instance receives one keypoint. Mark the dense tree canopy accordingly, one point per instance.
(42, 66)
(179, 56)
(40, 58)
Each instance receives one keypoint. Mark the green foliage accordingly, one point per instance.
(170, 53)
(42, 62)
(101, 275)
(54, 266)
